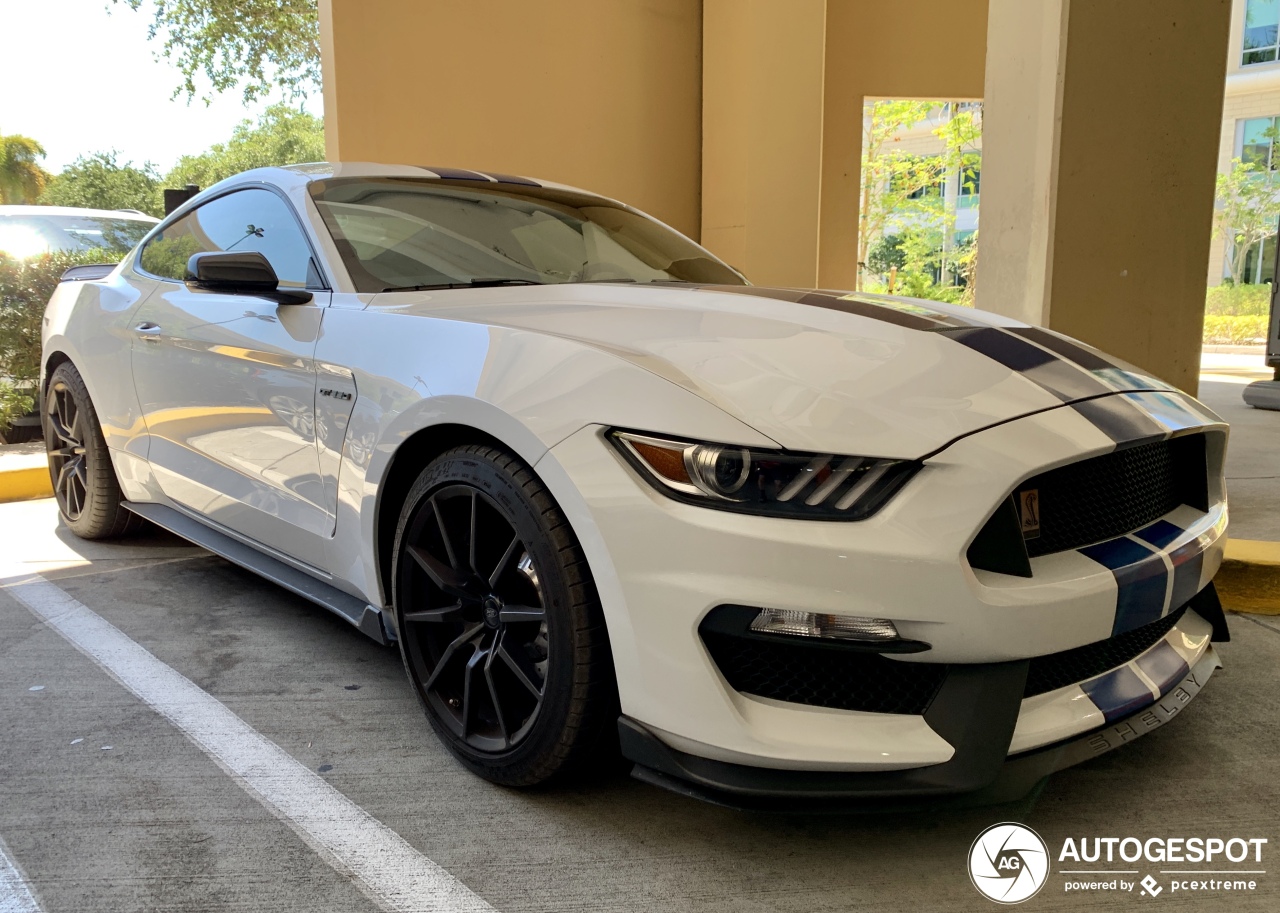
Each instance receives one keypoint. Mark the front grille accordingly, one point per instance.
(1117, 493)
(821, 676)
(1057, 670)
(1093, 500)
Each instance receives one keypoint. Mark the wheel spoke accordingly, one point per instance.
(64, 471)
(493, 690)
(441, 574)
(522, 669)
(471, 545)
(514, 614)
(74, 500)
(60, 429)
(444, 534)
(76, 434)
(457, 643)
(435, 616)
(506, 560)
(473, 664)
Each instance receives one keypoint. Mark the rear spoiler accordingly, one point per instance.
(88, 272)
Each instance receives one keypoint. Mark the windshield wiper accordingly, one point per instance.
(470, 283)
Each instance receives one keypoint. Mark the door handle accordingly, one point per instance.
(148, 330)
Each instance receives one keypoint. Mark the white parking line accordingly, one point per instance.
(15, 896)
(380, 862)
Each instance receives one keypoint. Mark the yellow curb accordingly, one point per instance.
(25, 484)
(1249, 580)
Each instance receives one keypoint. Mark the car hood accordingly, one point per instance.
(829, 372)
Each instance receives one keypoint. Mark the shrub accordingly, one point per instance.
(25, 289)
(1235, 330)
(1238, 300)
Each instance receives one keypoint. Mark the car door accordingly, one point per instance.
(227, 382)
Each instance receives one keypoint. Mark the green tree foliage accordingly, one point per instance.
(886, 255)
(100, 181)
(25, 288)
(21, 177)
(256, 45)
(282, 135)
(1248, 209)
(902, 197)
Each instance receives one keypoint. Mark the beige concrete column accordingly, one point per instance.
(784, 83)
(605, 96)
(762, 135)
(1100, 138)
(926, 49)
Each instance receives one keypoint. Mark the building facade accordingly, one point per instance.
(1251, 107)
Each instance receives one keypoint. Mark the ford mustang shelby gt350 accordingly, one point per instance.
(775, 544)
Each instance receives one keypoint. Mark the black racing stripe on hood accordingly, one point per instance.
(1121, 420)
(1089, 360)
(1060, 366)
(1062, 378)
(911, 317)
(1102, 366)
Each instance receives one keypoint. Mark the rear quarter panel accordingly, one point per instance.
(89, 323)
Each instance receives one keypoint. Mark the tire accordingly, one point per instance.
(84, 481)
(528, 636)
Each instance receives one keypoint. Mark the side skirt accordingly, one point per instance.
(367, 619)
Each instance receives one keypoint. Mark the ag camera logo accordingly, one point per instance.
(1008, 863)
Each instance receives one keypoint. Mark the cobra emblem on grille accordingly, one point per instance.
(1029, 511)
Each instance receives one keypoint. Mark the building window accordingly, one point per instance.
(1261, 31)
(1258, 142)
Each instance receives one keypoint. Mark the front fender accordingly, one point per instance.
(523, 389)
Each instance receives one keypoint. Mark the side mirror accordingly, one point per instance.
(234, 272)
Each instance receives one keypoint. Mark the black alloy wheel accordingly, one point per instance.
(84, 480)
(496, 612)
(65, 444)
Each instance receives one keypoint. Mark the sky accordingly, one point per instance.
(80, 76)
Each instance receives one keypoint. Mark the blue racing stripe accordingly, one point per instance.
(1141, 581)
(1118, 693)
(1188, 565)
(1163, 665)
(1160, 533)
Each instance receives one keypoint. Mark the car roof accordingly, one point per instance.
(14, 210)
(290, 176)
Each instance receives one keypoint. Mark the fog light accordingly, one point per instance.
(835, 627)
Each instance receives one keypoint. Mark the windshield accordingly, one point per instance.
(30, 235)
(405, 233)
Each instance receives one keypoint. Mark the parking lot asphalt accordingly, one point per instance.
(108, 803)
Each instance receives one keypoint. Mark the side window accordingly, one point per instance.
(244, 220)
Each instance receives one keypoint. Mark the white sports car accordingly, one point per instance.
(783, 546)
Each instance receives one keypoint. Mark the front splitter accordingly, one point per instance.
(832, 792)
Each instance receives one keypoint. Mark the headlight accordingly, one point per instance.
(814, 486)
